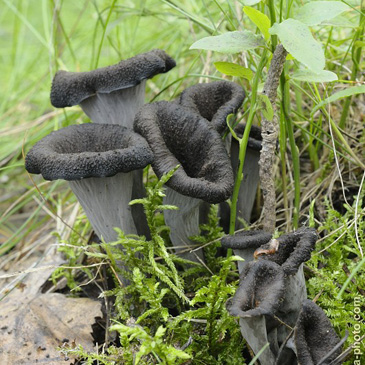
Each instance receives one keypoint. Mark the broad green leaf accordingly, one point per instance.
(311, 76)
(232, 69)
(340, 95)
(341, 21)
(261, 20)
(315, 12)
(266, 107)
(299, 42)
(231, 42)
(250, 2)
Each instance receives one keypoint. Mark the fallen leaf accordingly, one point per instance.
(33, 325)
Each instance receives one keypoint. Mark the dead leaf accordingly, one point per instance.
(33, 325)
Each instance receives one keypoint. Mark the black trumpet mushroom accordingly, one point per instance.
(179, 136)
(315, 340)
(214, 101)
(288, 253)
(97, 160)
(113, 94)
(257, 299)
(245, 243)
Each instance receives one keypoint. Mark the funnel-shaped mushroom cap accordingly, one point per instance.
(88, 150)
(254, 139)
(314, 336)
(178, 136)
(290, 250)
(260, 292)
(214, 101)
(71, 88)
(246, 239)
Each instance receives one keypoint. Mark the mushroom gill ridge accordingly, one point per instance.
(178, 135)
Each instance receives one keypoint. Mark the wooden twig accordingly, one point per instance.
(269, 131)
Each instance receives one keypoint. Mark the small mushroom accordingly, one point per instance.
(290, 251)
(287, 253)
(257, 300)
(293, 249)
(97, 161)
(314, 336)
(214, 101)
(179, 136)
(113, 94)
(245, 243)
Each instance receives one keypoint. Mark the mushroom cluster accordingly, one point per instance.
(271, 300)
(103, 161)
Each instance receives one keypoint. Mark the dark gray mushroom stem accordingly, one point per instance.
(97, 160)
(113, 94)
(314, 337)
(257, 300)
(179, 136)
(250, 182)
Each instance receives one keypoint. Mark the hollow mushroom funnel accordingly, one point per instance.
(179, 136)
(113, 94)
(244, 244)
(314, 337)
(97, 160)
(258, 298)
(213, 101)
(288, 253)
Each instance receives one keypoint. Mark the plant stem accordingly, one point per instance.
(244, 141)
(274, 38)
(104, 31)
